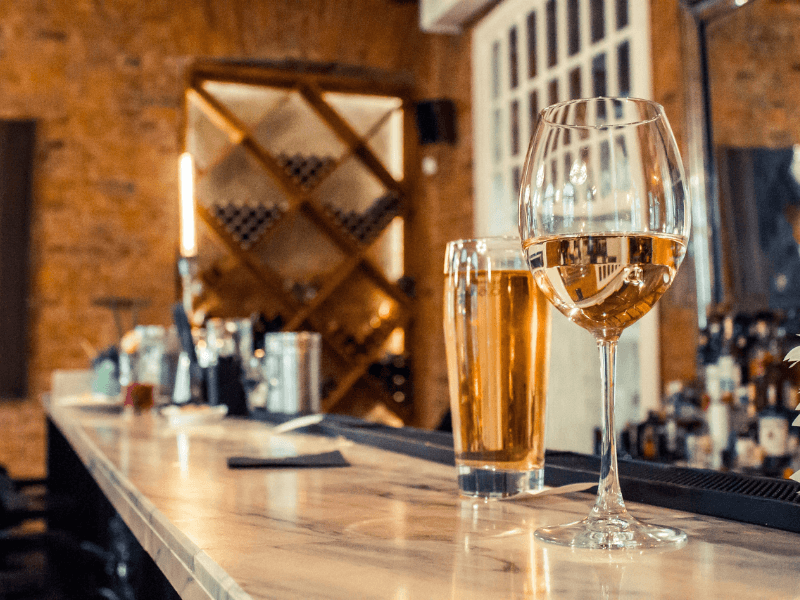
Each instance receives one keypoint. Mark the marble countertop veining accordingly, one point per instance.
(389, 526)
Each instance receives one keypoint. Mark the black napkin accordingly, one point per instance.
(324, 459)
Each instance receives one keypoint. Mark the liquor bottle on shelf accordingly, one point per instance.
(703, 347)
(741, 420)
(773, 435)
(711, 340)
(761, 357)
(722, 366)
(790, 397)
(741, 343)
(699, 448)
(729, 372)
(718, 418)
(394, 372)
(745, 451)
(651, 438)
(674, 434)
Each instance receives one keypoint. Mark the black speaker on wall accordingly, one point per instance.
(436, 121)
(17, 149)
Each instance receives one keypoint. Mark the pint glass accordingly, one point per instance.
(497, 334)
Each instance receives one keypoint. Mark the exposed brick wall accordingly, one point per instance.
(22, 443)
(754, 57)
(106, 79)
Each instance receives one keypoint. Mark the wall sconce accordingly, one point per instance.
(436, 121)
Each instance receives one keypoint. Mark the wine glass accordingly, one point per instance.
(604, 221)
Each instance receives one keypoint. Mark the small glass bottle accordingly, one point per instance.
(773, 435)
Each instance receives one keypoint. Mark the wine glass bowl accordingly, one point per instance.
(605, 282)
(604, 221)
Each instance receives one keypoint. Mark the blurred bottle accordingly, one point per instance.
(729, 372)
(395, 373)
(699, 448)
(740, 420)
(773, 435)
(761, 357)
(224, 370)
(261, 325)
(675, 435)
(711, 340)
(717, 416)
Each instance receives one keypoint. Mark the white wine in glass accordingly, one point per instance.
(604, 219)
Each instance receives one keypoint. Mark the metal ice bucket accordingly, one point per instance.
(291, 369)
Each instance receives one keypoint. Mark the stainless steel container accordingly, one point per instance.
(292, 372)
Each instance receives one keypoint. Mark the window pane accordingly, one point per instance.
(602, 113)
(622, 13)
(496, 70)
(498, 151)
(599, 75)
(532, 45)
(573, 27)
(552, 92)
(552, 37)
(623, 179)
(497, 189)
(552, 140)
(548, 139)
(624, 68)
(575, 83)
(533, 112)
(514, 128)
(598, 19)
(515, 178)
(512, 57)
(581, 171)
(569, 190)
(605, 168)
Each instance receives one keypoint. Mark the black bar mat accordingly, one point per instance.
(747, 498)
(752, 499)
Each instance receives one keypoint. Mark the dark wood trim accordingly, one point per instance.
(329, 76)
(17, 152)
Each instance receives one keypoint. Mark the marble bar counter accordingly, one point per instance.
(388, 526)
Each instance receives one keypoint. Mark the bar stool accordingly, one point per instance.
(23, 572)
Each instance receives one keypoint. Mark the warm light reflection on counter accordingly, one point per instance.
(183, 453)
(490, 528)
(402, 593)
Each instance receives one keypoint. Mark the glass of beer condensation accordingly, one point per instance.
(604, 219)
(497, 334)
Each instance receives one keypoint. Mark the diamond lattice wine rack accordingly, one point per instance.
(301, 203)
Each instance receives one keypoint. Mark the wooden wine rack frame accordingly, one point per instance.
(311, 83)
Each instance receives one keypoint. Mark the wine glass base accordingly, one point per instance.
(623, 532)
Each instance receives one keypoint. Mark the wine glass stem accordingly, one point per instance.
(609, 502)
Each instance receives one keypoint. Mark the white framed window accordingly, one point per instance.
(526, 55)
